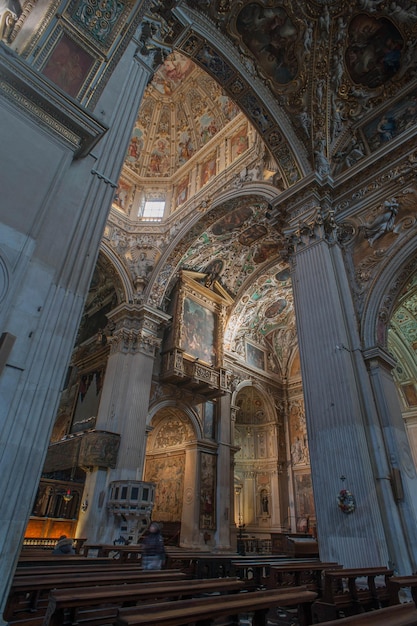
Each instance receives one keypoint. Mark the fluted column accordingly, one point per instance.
(123, 410)
(224, 477)
(191, 535)
(397, 469)
(51, 227)
(336, 421)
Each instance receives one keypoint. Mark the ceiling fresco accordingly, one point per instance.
(182, 110)
(324, 85)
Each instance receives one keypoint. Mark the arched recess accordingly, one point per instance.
(168, 463)
(382, 321)
(209, 48)
(258, 506)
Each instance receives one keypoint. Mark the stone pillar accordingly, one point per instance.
(190, 519)
(50, 232)
(332, 366)
(123, 410)
(396, 468)
(224, 507)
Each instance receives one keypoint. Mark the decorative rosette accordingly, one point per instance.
(346, 501)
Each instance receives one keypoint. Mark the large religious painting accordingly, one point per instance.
(198, 336)
(304, 501)
(68, 65)
(167, 473)
(208, 491)
(270, 34)
(255, 357)
(373, 54)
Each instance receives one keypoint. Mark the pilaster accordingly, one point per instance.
(124, 405)
(336, 421)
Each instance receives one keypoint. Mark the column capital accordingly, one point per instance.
(135, 328)
(319, 226)
(380, 357)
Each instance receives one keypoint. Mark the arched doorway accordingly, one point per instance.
(166, 466)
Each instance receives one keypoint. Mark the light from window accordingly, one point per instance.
(153, 210)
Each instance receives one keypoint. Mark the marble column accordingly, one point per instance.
(55, 201)
(337, 426)
(123, 410)
(224, 507)
(397, 469)
(191, 535)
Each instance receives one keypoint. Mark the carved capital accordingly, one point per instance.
(320, 227)
(136, 328)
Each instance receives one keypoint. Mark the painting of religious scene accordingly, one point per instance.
(252, 234)
(304, 502)
(209, 420)
(208, 491)
(373, 54)
(68, 66)
(182, 191)
(239, 142)
(122, 195)
(208, 169)
(231, 221)
(198, 331)
(172, 73)
(392, 122)
(271, 36)
(255, 357)
(168, 474)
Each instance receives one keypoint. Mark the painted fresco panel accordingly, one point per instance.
(168, 474)
(198, 336)
(255, 357)
(208, 491)
(304, 501)
(68, 66)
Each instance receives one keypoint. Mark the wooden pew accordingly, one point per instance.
(204, 610)
(100, 604)
(398, 615)
(395, 583)
(297, 574)
(351, 591)
(29, 593)
(259, 570)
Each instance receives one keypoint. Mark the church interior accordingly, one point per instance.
(208, 275)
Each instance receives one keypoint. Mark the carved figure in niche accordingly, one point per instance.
(264, 502)
(141, 270)
(297, 453)
(383, 223)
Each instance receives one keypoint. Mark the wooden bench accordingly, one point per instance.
(351, 591)
(297, 574)
(99, 605)
(398, 615)
(29, 593)
(259, 570)
(395, 583)
(202, 611)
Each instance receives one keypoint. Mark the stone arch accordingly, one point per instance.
(120, 269)
(384, 293)
(174, 429)
(209, 48)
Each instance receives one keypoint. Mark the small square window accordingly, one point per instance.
(153, 210)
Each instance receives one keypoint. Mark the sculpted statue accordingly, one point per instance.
(383, 223)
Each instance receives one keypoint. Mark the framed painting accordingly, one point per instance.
(68, 65)
(209, 423)
(255, 357)
(198, 331)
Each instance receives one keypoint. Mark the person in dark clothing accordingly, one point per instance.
(153, 554)
(64, 546)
